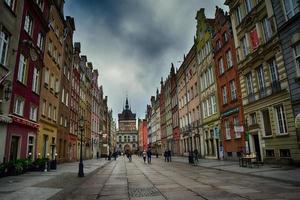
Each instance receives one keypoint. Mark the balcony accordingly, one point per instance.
(276, 86)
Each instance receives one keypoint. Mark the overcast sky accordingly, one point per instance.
(133, 42)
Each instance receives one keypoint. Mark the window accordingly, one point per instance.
(291, 7)
(249, 5)
(254, 39)
(253, 119)
(40, 3)
(260, 77)
(50, 47)
(44, 108)
(281, 121)
(120, 138)
(221, 66)
(270, 153)
(209, 105)
(4, 39)
(36, 80)
(238, 14)
(227, 130)
(225, 37)
(219, 45)
(229, 59)
(297, 58)
(31, 146)
(10, 3)
(224, 94)
(50, 111)
(19, 105)
(66, 123)
(267, 29)
(56, 86)
(28, 24)
(61, 120)
(244, 46)
(22, 69)
(249, 83)
(54, 114)
(236, 123)
(52, 82)
(273, 70)
(33, 113)
(266, 122)
(40, 41)
(285, 153)
(233, 90)
(63, 95)
(67, 99)
(47, 76)
(214, 104)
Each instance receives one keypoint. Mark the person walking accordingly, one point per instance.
(170, 155)
(144, 155)
(166, 156)
(149, 153)
(196, 155)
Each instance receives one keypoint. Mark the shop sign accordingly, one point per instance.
(238, 129)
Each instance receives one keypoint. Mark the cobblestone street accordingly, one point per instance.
(135, 180)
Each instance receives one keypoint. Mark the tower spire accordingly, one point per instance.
(126, 103)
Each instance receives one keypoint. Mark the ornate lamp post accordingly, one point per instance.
(81, 127)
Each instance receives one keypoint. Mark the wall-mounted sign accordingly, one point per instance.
(238, 129)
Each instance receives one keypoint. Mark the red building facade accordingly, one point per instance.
(230, 104)
(22, 132)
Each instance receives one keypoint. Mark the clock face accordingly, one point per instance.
(33, 54)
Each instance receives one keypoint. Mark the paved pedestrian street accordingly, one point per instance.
(121, 179)
(134, 180)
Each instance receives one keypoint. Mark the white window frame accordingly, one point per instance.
(224, 95)
(36, 80)
(33, 112)
(267, 29)
(54, 114)
(281, 120)
(4, 42)
(229, 59)
(47, 76)
(233, 90)
(238, 14)
(50, 111)
(221, 66)
(249, 83)
(22, 70)
(44, 107)
(40, 41)
(19, 105)
(28, 24)
(273, 70)
(248, 5)
(244, 46)
(293, 8)
(261, 77)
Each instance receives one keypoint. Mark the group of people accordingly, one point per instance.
(168, 155)
(147, 154)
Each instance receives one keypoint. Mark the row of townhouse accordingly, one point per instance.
(237, 90)
(46, 85)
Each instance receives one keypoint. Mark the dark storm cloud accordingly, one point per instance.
(133, 42)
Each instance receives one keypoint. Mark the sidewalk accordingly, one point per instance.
(42, 185)
(288, 174)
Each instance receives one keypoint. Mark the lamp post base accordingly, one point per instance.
(80, 173)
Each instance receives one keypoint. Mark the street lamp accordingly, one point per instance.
(81, 127)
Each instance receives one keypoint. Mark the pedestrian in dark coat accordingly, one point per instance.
(169, 155)
(166, 156)
(149, 153)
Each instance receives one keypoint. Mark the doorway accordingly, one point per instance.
(257, 147)
(14, 148)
